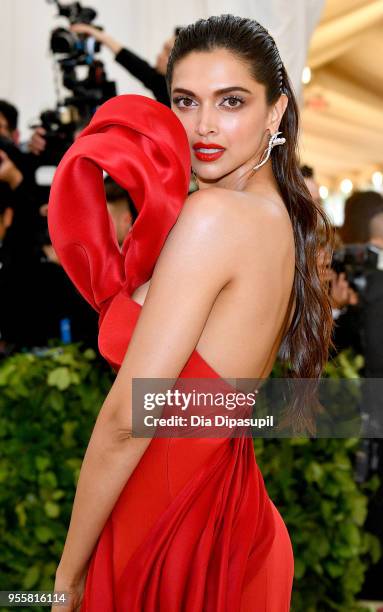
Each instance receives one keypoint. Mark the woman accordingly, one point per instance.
(175, 524)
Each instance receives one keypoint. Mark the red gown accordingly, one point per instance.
(193, 529)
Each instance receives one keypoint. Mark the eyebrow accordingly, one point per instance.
(217, 92)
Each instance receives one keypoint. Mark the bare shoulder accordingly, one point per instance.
(205, 224)
(200, 240)
(208, 207)
(252, 218)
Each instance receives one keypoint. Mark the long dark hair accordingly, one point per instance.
(305, 347)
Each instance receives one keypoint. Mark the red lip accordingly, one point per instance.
(207, 156)
(211, 145)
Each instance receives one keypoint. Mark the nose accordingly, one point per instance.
(206, 123)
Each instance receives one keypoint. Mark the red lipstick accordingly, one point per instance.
(208, 152)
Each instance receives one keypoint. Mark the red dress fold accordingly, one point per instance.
(194, 529)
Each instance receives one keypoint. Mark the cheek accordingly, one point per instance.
(187, 121)
(244, 129)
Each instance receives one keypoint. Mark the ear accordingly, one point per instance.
(276, 113)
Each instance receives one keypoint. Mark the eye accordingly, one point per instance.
(233, 101)
(186, 102)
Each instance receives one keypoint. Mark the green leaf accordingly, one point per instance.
(322, 546)
(48, 479)
(59, 494)
(358, 509)
(334, 569)
(21, 514)
(44, 534)
(350, 533)
(31, 577)
(60, 378)
(56, 400)
(42, 463)
(299, 441)
(299, 569)
(51, 509)
(6, 370)
(314, 472)
(89, 354)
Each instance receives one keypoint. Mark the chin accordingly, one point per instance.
(211, 172)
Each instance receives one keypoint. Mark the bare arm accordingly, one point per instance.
(194, 265)
(100, 35)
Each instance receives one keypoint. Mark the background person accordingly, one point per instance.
(8, 121)
(152, 77)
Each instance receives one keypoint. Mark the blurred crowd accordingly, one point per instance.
(39, 304)
(354, 273)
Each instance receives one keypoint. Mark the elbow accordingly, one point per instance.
(115, 422)
(118, 434)
(121, 434)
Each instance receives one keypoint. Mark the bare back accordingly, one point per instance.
(246, 325)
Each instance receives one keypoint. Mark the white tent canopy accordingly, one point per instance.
(343, 111)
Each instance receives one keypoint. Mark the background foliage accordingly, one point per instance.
(311, 481)
(48, 406)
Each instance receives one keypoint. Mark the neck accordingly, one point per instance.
(243, 178)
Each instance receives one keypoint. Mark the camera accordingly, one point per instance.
(357, 261)
(75, 12)
(78, 47)
(72, 52)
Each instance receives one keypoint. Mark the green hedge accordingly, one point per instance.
(48, 405)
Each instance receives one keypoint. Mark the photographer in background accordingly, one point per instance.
(17, 174)
(372, 321)
(153, 78)
(6, 272)
(8, 122)
(364, 222)
(354, 318)
(59, 310)
(9, 133)
(341, 294)
(82, 85)
(16, 282)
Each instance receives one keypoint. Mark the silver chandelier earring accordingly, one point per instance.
(273, 142)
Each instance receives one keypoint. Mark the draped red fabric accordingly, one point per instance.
(143, 146)
(194, 529)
